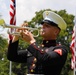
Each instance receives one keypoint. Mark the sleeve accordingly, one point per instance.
(14, 55)
(49, 55)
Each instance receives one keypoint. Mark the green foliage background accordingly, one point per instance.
(63, 38)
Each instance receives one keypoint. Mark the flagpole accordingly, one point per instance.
(75, 49)
(74, 45)
(10, 70)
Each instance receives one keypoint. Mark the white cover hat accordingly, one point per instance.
(50, 16)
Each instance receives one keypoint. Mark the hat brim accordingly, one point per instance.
(49, 22)
(45, 21)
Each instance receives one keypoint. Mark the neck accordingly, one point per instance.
(49, 38)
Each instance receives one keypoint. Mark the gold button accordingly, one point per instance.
(33, 65)
(47, 41)
(35, 59)
(42, 50)
(32, 70)
(42, 45)
(38, 46)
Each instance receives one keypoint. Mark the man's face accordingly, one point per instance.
(48, 31)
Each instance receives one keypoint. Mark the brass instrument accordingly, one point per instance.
(35, 31)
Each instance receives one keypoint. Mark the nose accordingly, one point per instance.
(43, 26)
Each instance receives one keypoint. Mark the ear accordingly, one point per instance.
(56, 32)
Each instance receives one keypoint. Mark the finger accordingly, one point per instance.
(24, 34)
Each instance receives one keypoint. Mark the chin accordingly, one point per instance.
(43, 36)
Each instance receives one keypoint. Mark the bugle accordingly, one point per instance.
(35, 31)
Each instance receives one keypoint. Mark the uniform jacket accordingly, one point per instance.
(47, 59)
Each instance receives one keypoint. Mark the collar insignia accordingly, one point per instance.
(47, 13)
